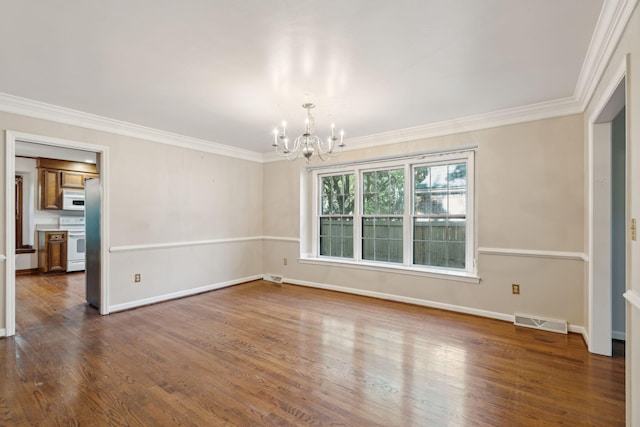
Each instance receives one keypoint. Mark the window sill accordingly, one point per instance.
(458, 276)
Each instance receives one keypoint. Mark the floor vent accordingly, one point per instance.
(551, 325)
(273, 278)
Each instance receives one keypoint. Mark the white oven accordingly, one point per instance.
(76, 242)
(73, 200)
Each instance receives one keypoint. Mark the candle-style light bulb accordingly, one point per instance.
(284, 128)
(275, 137)
(333, 126)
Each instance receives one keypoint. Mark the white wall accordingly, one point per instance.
(529, 181)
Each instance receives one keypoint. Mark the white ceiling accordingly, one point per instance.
(228, 71)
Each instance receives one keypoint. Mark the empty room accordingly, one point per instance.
(358, 213)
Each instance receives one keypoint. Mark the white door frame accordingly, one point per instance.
(599, 214)
(10, 282)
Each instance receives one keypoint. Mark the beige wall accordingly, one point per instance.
(165, 194)
(529, 190)
(629, 45)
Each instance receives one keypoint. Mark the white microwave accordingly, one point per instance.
(72, 200)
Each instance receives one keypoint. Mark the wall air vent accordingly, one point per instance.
(273, 278)
(551, 325)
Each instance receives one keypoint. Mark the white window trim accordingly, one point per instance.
(469, 274)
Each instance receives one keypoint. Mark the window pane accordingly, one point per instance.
(337, 195)
(395, 229)
(458, 202)
(457, 230)
(368, 227)
(325, 245)
(367, 249)
(439, 176)
(382, 228)
(336, 227)
(381, 250)
(325, 224)
(336, 246)
(457, 176)
(438, 229)
(348, 204)
(395, 250)
(347, 247)
(421, 253)
(438, 203)
(336, 236)
(347, 227)
(382, 239)
(369, 204)
(422, 229)
(437, 254)
(422, 202)
(455, 256)
(383, 192)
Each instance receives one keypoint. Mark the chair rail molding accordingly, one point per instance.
(633, 297)
(577, 256)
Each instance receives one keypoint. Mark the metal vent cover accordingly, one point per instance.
(551, 325)
(273, 278)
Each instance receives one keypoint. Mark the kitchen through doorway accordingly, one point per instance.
(46, 244)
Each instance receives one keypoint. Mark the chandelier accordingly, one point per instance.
(307, 144)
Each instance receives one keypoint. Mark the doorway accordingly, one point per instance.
(608, 217)
(101, 152)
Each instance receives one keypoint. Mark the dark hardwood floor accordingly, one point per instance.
(267, 354)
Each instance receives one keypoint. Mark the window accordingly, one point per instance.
(21, 247)
(439, 215)
(383, 215)
(412, 213)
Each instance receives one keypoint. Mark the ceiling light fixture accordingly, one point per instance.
(308, 144)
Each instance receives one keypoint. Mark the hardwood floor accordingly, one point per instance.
(267, 354)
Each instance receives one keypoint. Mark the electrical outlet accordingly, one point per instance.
(136, 278)
(284, 261)
(515, 289)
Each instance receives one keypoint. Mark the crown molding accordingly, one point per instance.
(527, 113)
(511, 116)
(40, 110)
(611, 24)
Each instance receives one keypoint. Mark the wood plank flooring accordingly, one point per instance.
(277, 355)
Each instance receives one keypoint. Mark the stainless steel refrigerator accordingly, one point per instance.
(92, 192)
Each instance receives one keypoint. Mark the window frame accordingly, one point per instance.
(409, 163)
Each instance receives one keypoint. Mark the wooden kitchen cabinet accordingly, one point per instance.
(56, 175)
(74, 180)
(52, 252)
(50, 192)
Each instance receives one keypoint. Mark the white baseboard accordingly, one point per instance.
(619, 335)
(580, 330)
(180, 294)
(409, 300)
(425, 303)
